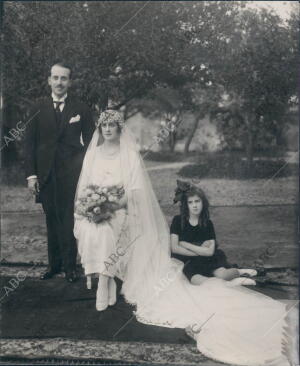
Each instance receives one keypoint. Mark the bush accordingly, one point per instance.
(233, 167)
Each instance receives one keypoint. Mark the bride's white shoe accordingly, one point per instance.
(242, 281)
(101, 298)
(112, 292)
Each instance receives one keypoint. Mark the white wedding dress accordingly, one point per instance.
(234, 325)
(97, 243)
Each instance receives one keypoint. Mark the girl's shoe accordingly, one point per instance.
(247, 272)
(112, 292)
(242, 281)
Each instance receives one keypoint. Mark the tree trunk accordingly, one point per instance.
(172, 141)
(249, 147)
(280, 137)
(191, 134)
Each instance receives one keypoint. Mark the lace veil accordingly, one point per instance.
(148, 249)
(155, 284)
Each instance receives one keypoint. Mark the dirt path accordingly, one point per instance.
(291, 157)
(169, 166)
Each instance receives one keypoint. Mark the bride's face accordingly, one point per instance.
(110, 131)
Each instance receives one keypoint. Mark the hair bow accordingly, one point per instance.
(182, 188)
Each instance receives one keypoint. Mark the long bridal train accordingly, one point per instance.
(234, 325)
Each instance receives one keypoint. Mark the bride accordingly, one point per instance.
(230, 324)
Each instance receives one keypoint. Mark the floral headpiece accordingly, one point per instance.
(181, 190)
(111, 115)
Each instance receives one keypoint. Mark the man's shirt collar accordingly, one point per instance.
(61, 99)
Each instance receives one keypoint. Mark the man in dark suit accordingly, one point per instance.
(56, 140)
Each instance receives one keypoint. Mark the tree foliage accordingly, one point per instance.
(259, 79)
(158, 57)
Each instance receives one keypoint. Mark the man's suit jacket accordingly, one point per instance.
(48, 144)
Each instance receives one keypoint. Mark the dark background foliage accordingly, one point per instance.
(238, 65)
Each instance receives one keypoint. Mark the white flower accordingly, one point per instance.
(118, 69)
(97, 210)
(88, 191)
(104, 190)
(111, 198)
(95, 196)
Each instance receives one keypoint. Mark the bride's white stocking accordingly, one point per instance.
(102, 293)
(112, 291)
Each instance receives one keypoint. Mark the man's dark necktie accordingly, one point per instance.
(58, 113)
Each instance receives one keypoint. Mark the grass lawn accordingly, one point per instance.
(221, 192)
(24, 237)
(225, 192)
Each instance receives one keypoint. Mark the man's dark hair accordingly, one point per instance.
(64, 65)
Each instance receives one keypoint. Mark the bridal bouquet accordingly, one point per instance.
(98, 204)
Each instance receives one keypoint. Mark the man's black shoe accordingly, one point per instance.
(48, 274)
(71, 277)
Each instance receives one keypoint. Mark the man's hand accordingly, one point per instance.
(33, 186)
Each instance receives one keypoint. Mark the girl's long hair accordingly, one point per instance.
(184, 209)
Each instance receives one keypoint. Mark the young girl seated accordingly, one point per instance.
(193, 240)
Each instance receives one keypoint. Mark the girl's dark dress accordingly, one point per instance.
(198, 235)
